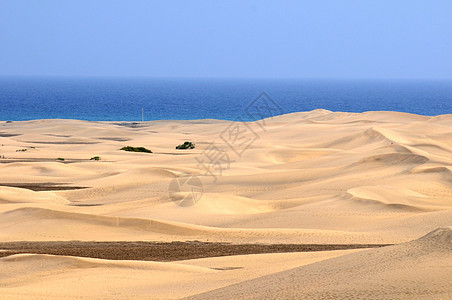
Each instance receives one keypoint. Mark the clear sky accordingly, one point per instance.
(252, 39)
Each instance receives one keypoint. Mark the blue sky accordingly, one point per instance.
(238, 39)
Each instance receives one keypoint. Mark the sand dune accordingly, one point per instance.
(417, 269)
(43, 275)
(311, 177)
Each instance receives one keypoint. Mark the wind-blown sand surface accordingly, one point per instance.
(307, 178)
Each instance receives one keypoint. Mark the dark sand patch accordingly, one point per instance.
(10, 160)
(48, 186)
(176, 153)
(60, 143)
(59, 135)
(160, 251)
(114, 139)
(2, 134)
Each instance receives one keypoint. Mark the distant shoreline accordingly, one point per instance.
(137, 122)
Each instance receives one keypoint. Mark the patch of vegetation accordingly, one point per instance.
(136, 149)
(60, 158)
(32, 147)
(186, 145)
(21, 150)
(95, 158)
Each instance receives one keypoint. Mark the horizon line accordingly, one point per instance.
(217, 78)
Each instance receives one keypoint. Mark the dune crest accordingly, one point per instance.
(440, 237)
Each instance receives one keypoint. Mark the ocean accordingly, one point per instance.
(122, 99)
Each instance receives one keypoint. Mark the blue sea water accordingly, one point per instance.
(121, 99)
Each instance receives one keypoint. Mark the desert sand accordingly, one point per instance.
(316, 177)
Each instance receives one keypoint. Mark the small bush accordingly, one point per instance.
(21, 150)
(95, 158)
(186, 145)
(136, 149)
(60, 158)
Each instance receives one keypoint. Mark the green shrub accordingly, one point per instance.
(136, 149)
(21, 150)
(95, 158)
(60, 158)
(186, 145)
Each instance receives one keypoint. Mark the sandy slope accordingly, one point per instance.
(413, 270)
(53, 276)
(314, 177)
